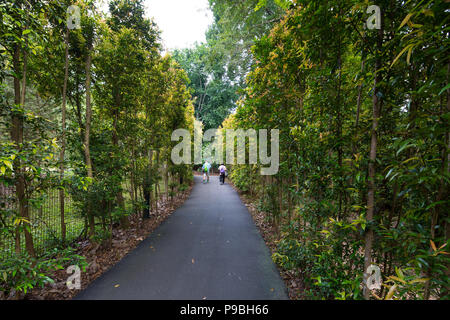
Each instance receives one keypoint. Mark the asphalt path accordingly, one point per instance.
(209, 248)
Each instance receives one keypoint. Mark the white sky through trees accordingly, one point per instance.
(182, 22)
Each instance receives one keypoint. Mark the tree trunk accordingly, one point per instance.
(124, 222)
(166, 179)
(263, 194)
(150, 168)
(339, 135)
(17, 138)
(133, 195)
(280, 204)
(369, 237)
(289, 197)
(87, 132)
(156, 182)
(63, 136)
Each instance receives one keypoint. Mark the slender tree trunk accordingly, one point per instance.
(87, 133)
(132, 178)
(136, 187)
(289, 200)
(110, 223)
(78, 109)
(156, 182)
(280, 204)
(17, 138)
(339, 119)
(150, 168)
(63, 136)
(124, 222)
(131, 189)
(369, 237)
(166, 179)
(263, 182)
(339, 134)
(251, 184)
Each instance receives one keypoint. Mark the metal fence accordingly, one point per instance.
(45, 221)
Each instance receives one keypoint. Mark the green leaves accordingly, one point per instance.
(408, 48)
(213, 93)
(317, 86)
(447, 87)
(305, 67)
(283, 3)
(404, 146)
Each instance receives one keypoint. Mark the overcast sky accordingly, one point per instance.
(182, 22)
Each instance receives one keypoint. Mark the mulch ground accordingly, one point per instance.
(292, 278)
(101, 257)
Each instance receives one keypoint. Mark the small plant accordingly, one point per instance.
(173, 185)
(172, 194)
(21, 273)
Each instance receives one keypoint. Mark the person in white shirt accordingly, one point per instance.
(222, 170)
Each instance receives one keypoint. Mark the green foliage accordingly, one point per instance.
(131, 14)
(239, 176)
(23, 273)
(137, 97)
(235, 29)
(317, 88)
(213, 92)
(308, 68)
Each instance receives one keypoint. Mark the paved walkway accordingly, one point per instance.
(209, 248)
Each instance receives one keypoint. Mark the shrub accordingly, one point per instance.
(21, 273)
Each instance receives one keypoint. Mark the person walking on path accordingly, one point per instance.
(222, 170)
(206, 167)
(209, 248)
